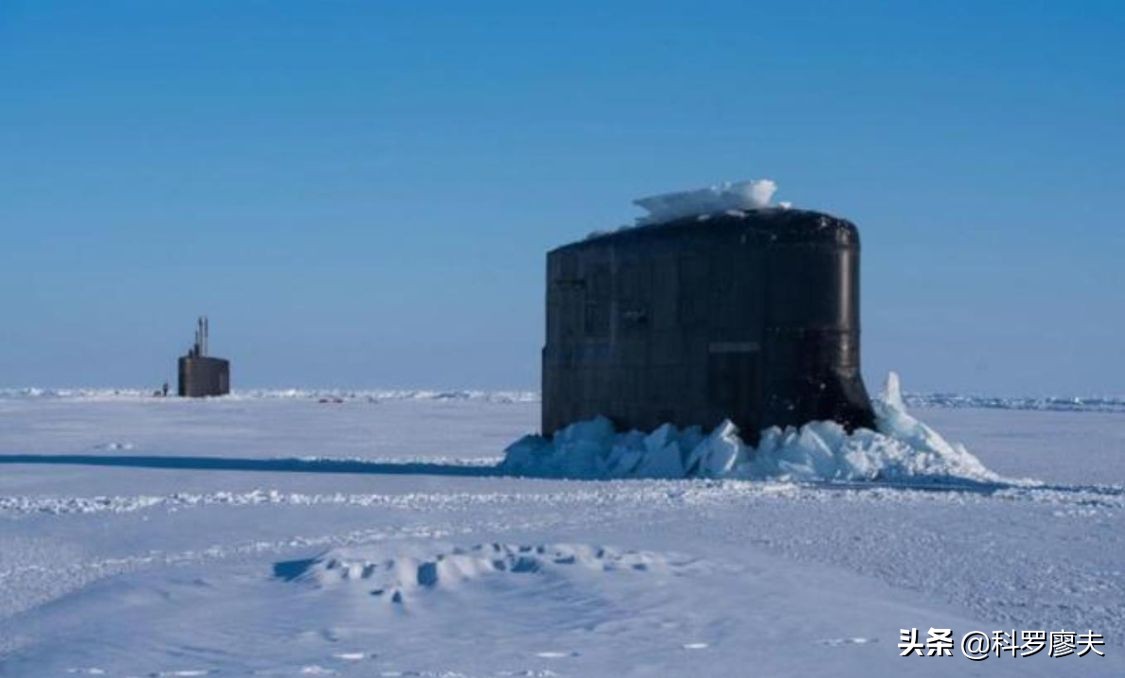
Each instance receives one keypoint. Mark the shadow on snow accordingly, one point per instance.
(286, 465)
(469, 470)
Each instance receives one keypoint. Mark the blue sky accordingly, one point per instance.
(361, 194)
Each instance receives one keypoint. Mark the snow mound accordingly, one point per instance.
(903, 449)
(1059, 403)
(724, 197)
(394, 579)
(114, 446)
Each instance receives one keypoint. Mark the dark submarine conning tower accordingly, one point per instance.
(748, 316)
(201, 375)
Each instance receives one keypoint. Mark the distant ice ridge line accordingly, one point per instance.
(1046, 403)
(395, 394)
(944, 400)
(328, 395)
(903, 449)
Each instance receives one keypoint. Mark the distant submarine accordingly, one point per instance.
(201, 375)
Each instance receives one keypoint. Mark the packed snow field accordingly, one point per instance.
(383, 533)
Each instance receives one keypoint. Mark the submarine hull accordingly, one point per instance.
(201, 376)
(752, 317)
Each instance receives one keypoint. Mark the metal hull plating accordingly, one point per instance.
(750, 317)
(201, 376)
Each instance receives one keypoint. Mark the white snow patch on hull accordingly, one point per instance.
(727, 196)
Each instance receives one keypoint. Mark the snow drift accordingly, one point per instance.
(738, 195)
(902, 449)
(394, 579)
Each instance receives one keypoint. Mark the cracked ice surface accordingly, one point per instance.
(246, 535)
